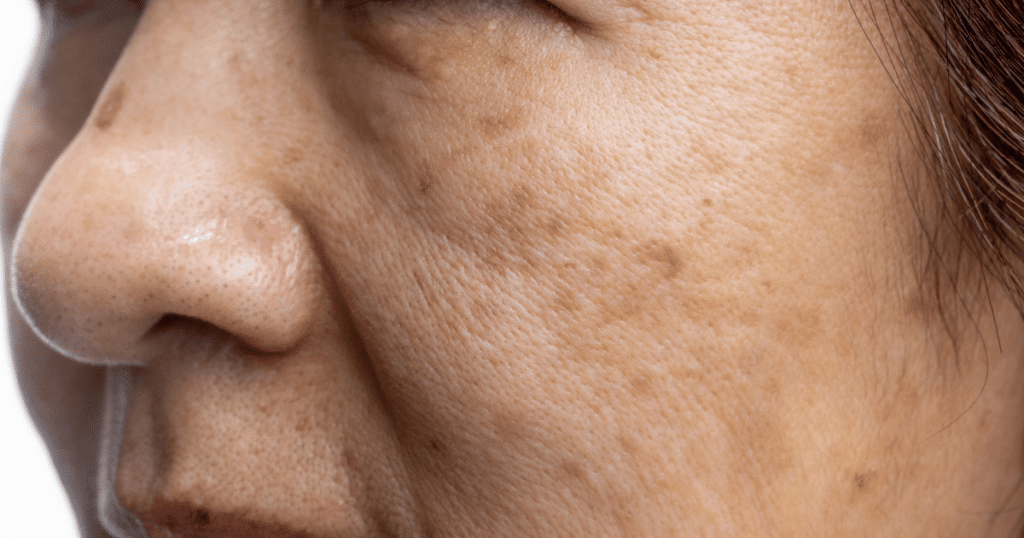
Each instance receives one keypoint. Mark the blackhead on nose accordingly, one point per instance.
(156, 213)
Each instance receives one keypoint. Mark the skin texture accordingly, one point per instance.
(608, 268)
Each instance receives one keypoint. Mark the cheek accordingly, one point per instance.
(543, 252)
(518, 197)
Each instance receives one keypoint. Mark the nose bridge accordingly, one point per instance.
(158, 209)
(209, 70)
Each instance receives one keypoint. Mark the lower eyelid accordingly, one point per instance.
(452, 12)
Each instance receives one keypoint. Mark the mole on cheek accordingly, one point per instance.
(108, 110)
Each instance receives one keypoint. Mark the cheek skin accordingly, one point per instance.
(641, 278)
(676, 267)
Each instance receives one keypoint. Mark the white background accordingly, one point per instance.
(32, 504)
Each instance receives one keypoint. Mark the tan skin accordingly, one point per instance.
(612, 268)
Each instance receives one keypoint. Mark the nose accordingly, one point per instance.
(158, 212)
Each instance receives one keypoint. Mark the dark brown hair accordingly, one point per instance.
(962, 76)
(961, 73)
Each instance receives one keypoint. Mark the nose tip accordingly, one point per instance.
(111, 246)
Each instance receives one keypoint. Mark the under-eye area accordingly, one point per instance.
(454, 11)
(417, 35)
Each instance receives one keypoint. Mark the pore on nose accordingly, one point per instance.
(125, 232)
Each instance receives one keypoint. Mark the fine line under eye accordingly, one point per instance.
(544, 7)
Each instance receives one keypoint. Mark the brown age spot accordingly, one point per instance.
(291, 156)
(428, 529)
(235, 63)
(640, 385)
(510, 426)
(304, 425)
(663, 257)
(349, 457)
(574, 470)
(554, 226)
(425, 182)
(924, 305)
(264, 233)
(522, 197)
(715, 160)
(865, 485)
(862, 481)
(629, 446)
(110, 107)
(792, 74)
(914, 306)
(771, 446)
(513, 218)
(872, 130)
(494, 125)
(623, 303)
(798, 326)
(481, 309)
(757, 431)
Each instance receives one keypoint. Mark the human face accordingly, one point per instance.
(596, 268)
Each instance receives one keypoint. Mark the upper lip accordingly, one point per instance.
(166, 519)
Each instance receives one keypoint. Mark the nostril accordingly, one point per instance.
(184, 328)
(177, 323)
(187, 331)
